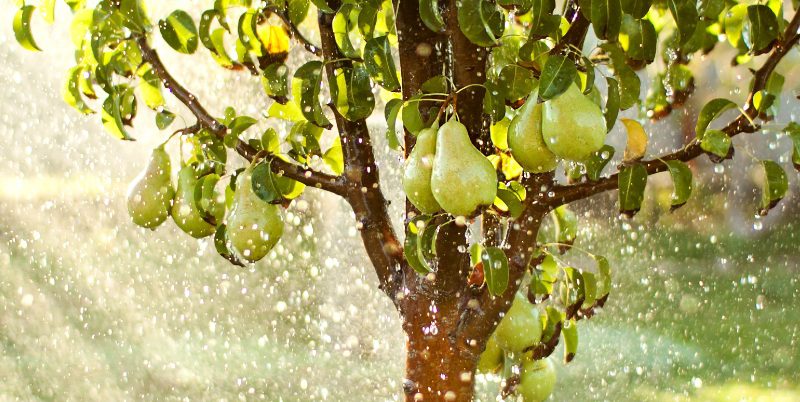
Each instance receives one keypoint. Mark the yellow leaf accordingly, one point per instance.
(274, 38)
(511, 169)
(637, 140)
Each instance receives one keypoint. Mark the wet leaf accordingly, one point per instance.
(480, 21)
(495, 269)
(410, 245)
(22, 28)
(717, 143)
(431, 15)
(636, 8)
(685, 15)
(606, 17)
(380, 64)
(774, 187)
(179, 31)
(558, 74)
(598, 161)
(793, 131)
(710, 112)
(71, 92)
(681, 183)
(570, 334)
(637, 141)
(515, 82)
(391, 110)
(760, 28)
(632, 182)
(310, 76)
(611, 111)
(351, 92)
(511, 202)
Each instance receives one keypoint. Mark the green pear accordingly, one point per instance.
(491, 359)
(520, 327)
(537, 379)
(151, 192)
(254, 225)
(573, 127)
(525, 139)
(184, 210)
(462, 178)
(417, 174)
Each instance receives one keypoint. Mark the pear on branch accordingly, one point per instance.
(254, 226)
(417, 173)
(185, 212)
(462, 178)
(573, 127)
(525, 138)
(150, 194)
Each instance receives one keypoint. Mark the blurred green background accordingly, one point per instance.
(705, 307)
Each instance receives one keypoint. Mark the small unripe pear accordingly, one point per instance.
(537, 379)
(417, 173)
(254, 225)
(491, 360)
(462, 178)
(184, 210)
(573, 127)
(525, 139)
(150, 194)
(520, 328)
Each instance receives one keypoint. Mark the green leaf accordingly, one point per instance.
(431, 15)
(71, 92)
(345, 20)
(150, 87)
(275, 81)
(219, 54)
(495, 270)
(685, 15)
(611, 110)
(760, 29)
(598, 161)
(558, 74)
(629, 86)
(493, 102)
(632, 182)
(112, 116)
(475, 251)
(717, 143)
(541, 17)
(590, 286)
(368, 19)
(734, 24)
(323, 6)
(681, 182)
(248, 32)
(179, 31)
(713, 109)
(241, 123)
(263, 182)
(711, 9)
(310, 76)
(412, 119)
(636, 8)
(603, 275)
(351, 92)
(437, 84)
(511, 201)
(334, 157)
(480, 21)
(606, 17)
(48, 10)
(775, 186)
(642, 38)
(164, 118)
(391, 110)
(298, 10)
(411, 248)
(22, 28)
(380, 64)
(570, 334)
(793, 131)
(515, 82)
(567, 223)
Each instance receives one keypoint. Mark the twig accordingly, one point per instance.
(334, 184)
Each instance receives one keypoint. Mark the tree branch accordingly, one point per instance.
(333, 184)
(364, 192)
(742, 124)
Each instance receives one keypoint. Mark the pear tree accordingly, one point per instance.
(505, 107)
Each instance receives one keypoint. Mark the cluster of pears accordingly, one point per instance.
(520, 329)
(570, 126)
(253, 225)
(446, 172)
